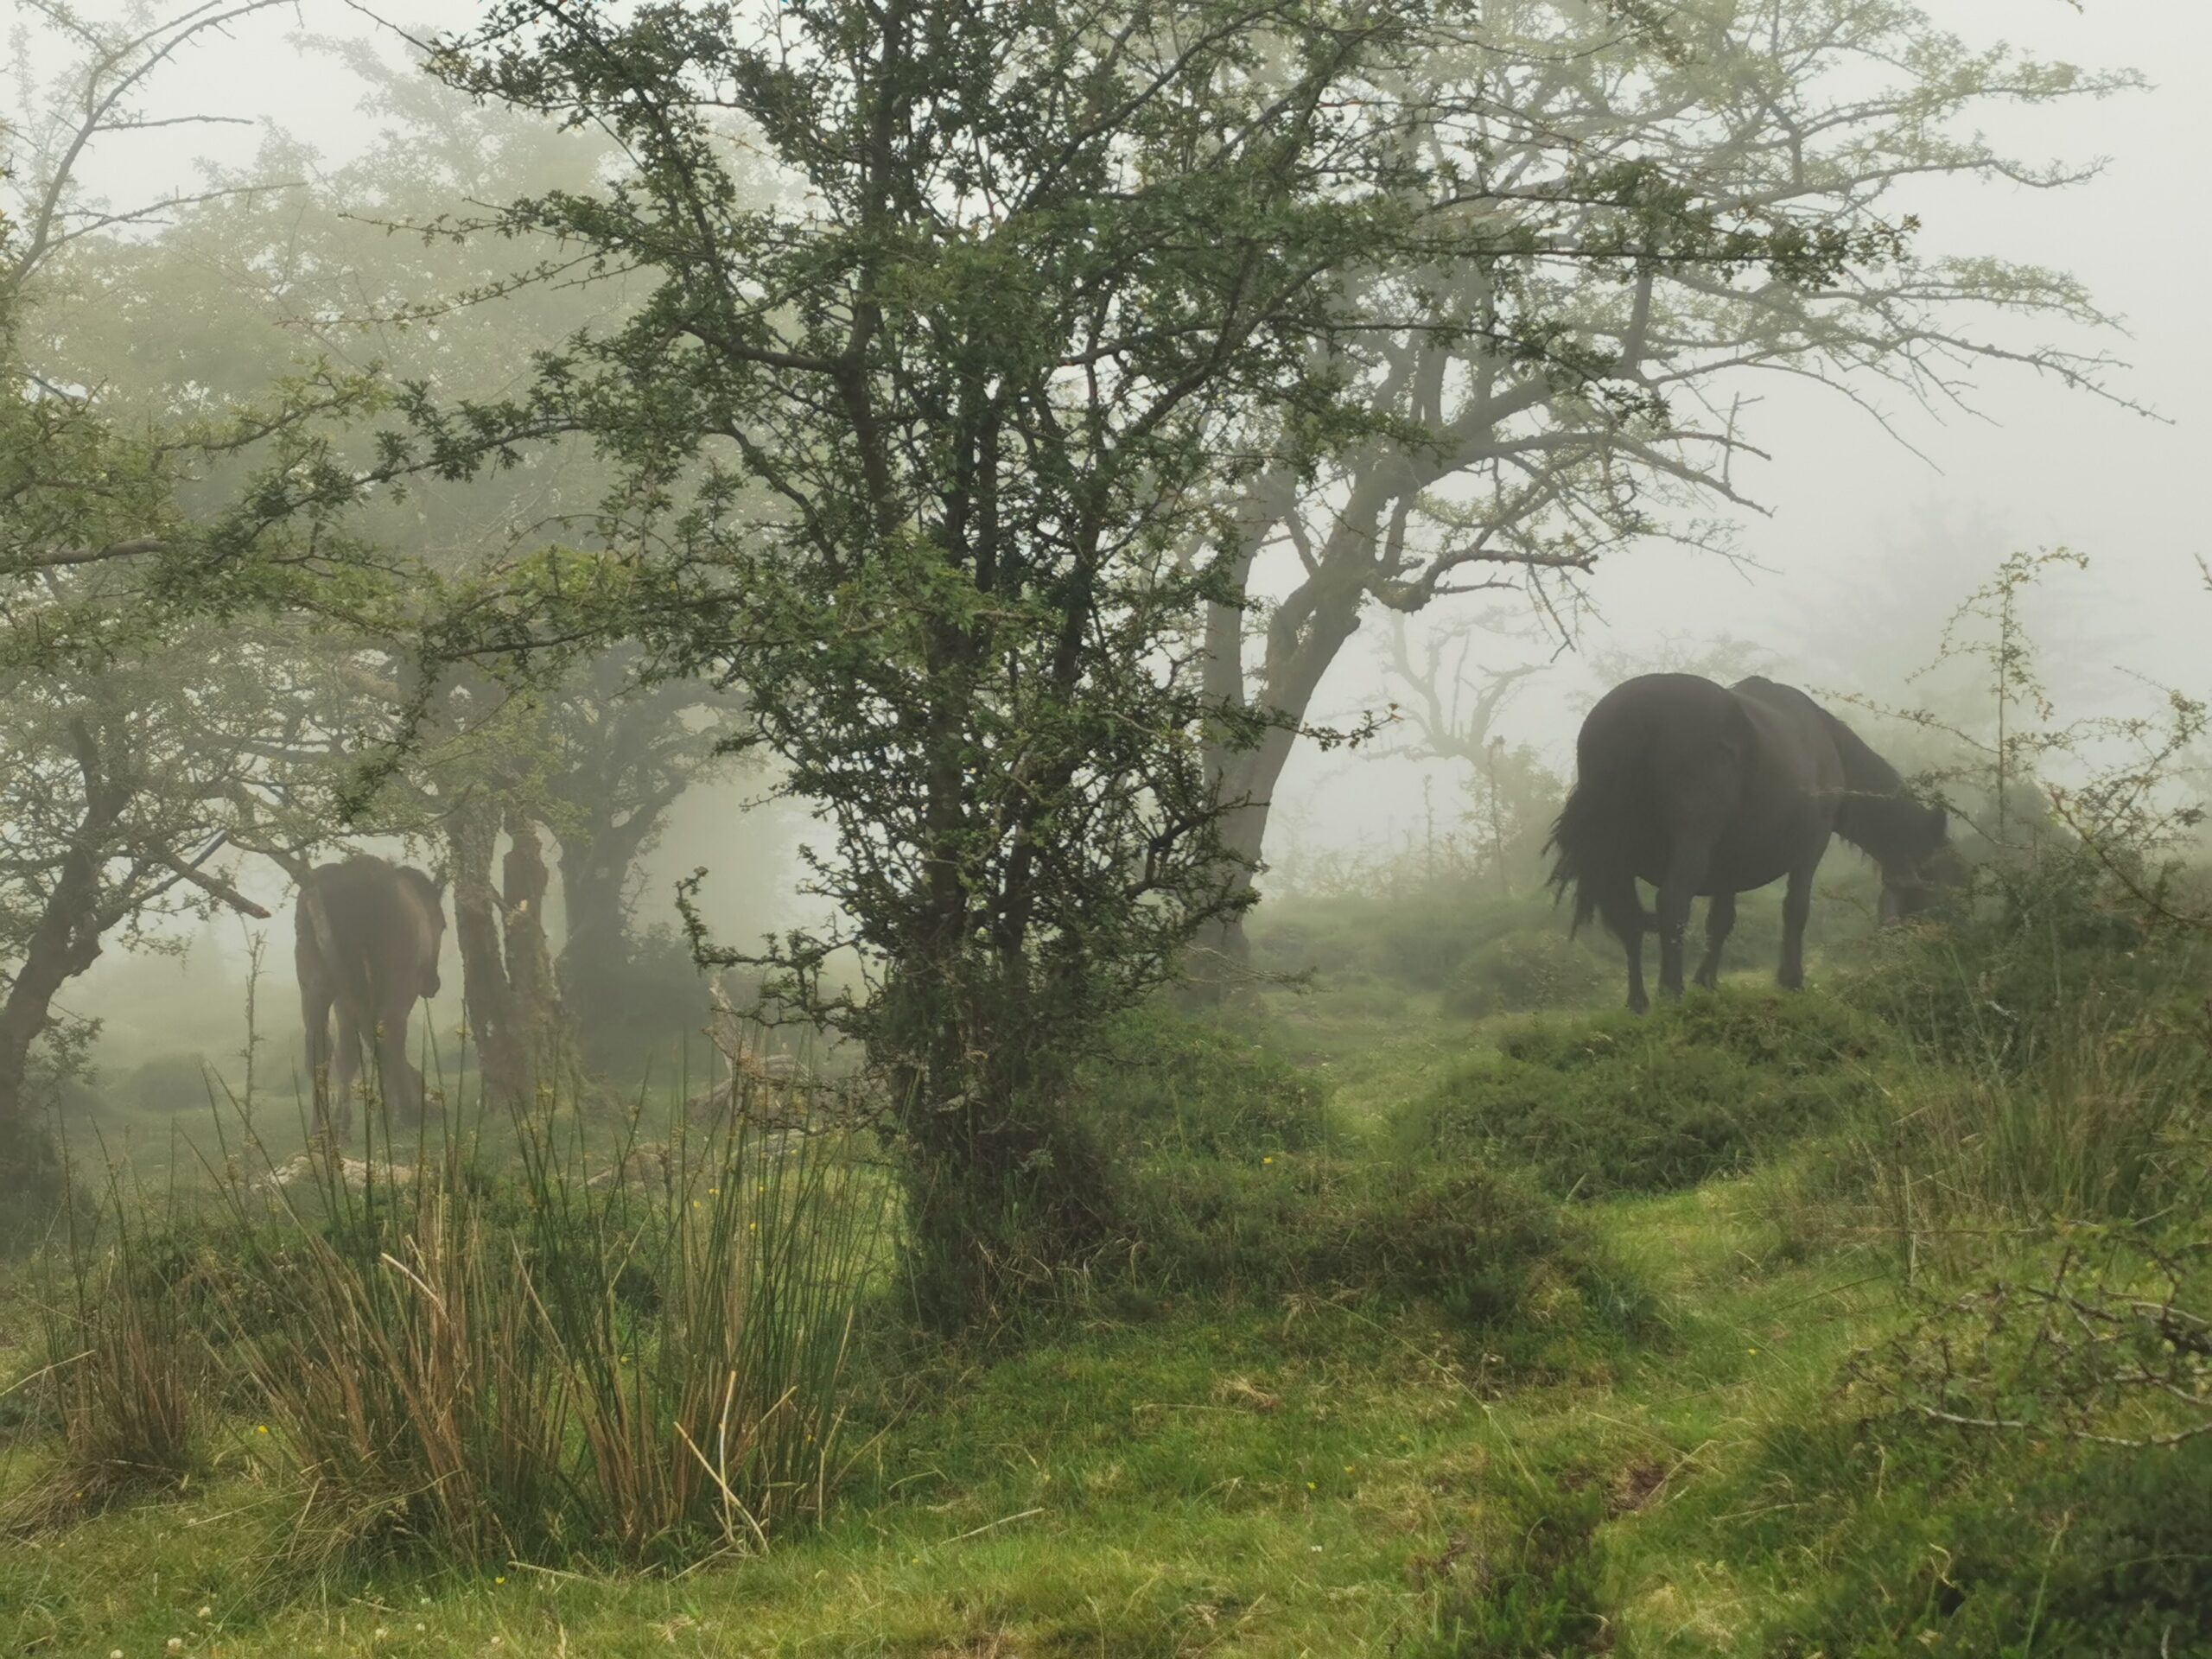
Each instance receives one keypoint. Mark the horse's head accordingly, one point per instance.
(432, 895)
(1926, 874)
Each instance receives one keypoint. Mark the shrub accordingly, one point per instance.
(1420, 939)
(2103, 1334)
(1524, 971)
(1482, 1249)
(1978, 1549)
(1618, 1103)
(2062, 1062)
(1171, 1084)
(167, 1085)
(2051, 938)
(2109, 1123)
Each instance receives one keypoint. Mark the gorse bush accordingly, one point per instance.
(1229, 1183)
(1482, 1249)
(166, 1085)
(1618, 1103)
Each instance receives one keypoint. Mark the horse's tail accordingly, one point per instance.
(1590, 859)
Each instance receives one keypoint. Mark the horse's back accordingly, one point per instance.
(1796, 736)
(377, 919)
(1669, 734)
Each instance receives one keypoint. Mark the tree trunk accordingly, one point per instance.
(31, 1178)
(471, 833)
(595, 949)
(65, 944)
(1004, 1184)
(541, 1021)
(1301, 644)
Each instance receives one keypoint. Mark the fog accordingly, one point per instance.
(1873, 536)
(1876, 524)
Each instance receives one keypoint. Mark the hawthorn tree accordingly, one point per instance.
(133, 694)
(1601, 377)
(998, 303)
(1450, 711)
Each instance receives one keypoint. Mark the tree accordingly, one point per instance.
(1596, 390)
(1028, 282)
(221, 300)
(622, 756)
(1032, 295)
(1511, 793)
(130, 701)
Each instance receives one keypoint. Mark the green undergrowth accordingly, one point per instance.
(1615, 1104)
(1563, 1336)
(1242, 1184)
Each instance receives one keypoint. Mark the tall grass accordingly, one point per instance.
(569, 1346)
(122, 1372)
(2106, 1122)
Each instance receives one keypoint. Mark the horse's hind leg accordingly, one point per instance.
(403, 1083)
(1685, 872)
(1719, 922)
(315, 1015)
(1796, 907)
(343, 1074)
(1639, 998)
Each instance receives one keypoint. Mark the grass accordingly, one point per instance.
(606, 1354)
(1294, 1442)
(1296, 1480)
(1598, 1107)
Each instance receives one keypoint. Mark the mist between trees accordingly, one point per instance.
(988, 423)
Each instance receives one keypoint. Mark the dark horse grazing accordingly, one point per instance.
(368, 935)
(1711, 790)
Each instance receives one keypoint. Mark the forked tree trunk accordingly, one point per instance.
(1298, 652)
(471, 834)
(542, 1024)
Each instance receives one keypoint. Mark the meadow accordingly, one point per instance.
(1450, 1311)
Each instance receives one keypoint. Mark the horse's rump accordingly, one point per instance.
(1660, 724)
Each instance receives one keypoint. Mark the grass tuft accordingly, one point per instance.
(1615, 1104)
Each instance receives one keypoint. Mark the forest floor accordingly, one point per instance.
(1297, 1474)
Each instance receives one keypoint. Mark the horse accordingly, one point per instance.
(368, 933)
(1710, 791)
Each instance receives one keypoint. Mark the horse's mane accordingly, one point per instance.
(1878, 816)
(432, 894)
(1865, 772)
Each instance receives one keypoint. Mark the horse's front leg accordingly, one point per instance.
(1639, 998)
(1719, 922)
(1796, 907)
(1685, 874)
